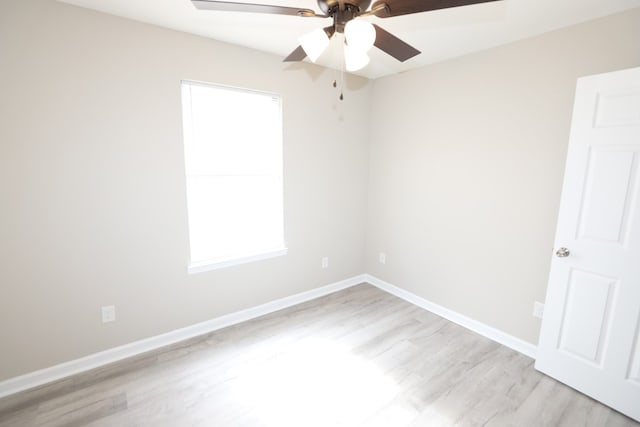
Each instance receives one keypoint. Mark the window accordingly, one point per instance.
(233, 156)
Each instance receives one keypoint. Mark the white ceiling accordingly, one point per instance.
(440, 35)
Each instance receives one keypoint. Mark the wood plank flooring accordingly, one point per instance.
(359, 357)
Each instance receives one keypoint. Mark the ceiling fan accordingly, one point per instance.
(360, 35)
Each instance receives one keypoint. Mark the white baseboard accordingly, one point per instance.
(494, 334)
(53, 373)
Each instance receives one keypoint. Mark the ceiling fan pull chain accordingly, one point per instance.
(342, 61)
(336, 57)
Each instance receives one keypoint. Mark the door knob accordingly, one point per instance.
(562, 253)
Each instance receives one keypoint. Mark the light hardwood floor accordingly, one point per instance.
(359, 357)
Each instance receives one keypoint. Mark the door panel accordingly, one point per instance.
(622, 109)
(634, 368)
(587, 315)
(609, 183)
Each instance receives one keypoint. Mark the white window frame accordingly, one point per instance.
(227, 261)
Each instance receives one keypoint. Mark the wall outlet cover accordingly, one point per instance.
(538, 309)
(382, 258)
(325, 262)
(108, 313)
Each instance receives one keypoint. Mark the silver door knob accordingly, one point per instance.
(562, 253)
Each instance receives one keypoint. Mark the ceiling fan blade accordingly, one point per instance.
(392, 45)
(297, 55)
(405, 7)
(226, 6)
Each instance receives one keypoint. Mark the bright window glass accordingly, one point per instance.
(233, 156)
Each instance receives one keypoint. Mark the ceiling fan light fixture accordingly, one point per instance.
(360, 35)
(314, 43)
(355, 59)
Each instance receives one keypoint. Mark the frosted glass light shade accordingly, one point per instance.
(314, 43)
(360, 35)
(355, 59)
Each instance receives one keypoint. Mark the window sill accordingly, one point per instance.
(216, 264)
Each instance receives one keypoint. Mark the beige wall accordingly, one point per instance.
(466, 166)
(92, 186)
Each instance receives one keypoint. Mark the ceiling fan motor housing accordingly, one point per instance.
(343, 11)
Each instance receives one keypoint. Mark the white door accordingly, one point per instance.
(590, 337)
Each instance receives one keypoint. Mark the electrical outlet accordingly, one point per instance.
(108, 313)
(382, 258)
(325, 262)
(538, 309)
